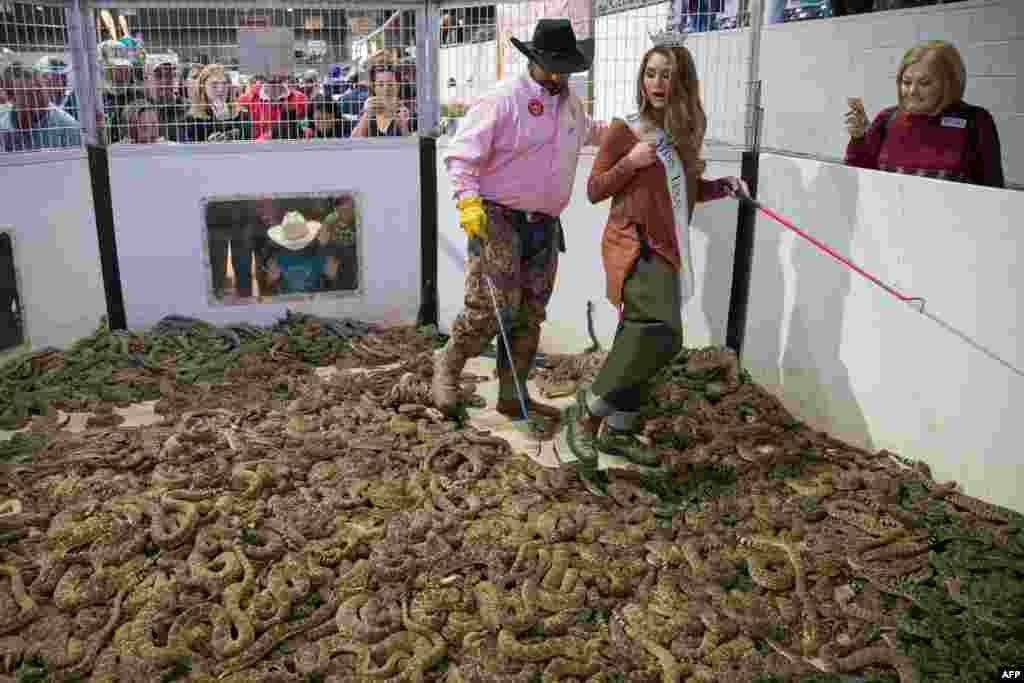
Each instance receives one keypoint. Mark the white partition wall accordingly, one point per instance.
(848, 358)
(581, 274)
(48, 208)
(157, 194)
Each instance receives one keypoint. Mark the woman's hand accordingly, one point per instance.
(736, 186)
(274, 272)
(642, 155)
(403, 119)
(856, 120)
(376, 105)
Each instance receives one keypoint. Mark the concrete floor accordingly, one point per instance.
(135, 415)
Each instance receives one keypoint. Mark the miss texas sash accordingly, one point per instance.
(675, 176)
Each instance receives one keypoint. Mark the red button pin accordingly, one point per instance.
(536, 107)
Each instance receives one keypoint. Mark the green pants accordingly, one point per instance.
(650, 334)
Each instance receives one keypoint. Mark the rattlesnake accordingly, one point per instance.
(342, 528)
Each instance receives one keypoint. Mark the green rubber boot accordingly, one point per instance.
(626, 445)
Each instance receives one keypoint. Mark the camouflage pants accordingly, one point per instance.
(521, 259)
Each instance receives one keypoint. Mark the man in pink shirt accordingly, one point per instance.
(513, 164)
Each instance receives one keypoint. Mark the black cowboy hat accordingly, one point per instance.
(555, 49)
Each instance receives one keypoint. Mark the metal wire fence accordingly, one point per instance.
(476, 52)
(173, 72)
(721, 54)
(188, 71)
(242, 72)
(238, 70)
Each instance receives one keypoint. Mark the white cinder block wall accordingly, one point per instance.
(808, 69)
(848, 358)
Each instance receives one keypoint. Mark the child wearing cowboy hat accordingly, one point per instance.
(296, 261)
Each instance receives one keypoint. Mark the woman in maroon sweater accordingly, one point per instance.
(932, 132)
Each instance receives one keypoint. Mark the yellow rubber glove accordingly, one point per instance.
(473, 217)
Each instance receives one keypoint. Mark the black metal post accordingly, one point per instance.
(99, 173)
(743, 258)
(428, 314)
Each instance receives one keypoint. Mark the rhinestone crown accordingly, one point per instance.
(668, 39)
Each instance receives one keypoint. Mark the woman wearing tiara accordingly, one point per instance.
(649, 164)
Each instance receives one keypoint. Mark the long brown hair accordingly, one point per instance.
(684, 120)
(200, 108)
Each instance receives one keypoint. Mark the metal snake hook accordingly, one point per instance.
(504, 335)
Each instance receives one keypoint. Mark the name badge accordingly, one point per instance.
(954, 122)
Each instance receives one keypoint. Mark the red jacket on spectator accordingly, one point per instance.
(251, 90)
(933, 145)
(274, 119)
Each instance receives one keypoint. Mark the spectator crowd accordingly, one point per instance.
(155, 99)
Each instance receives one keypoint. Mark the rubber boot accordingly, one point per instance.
(524, 349)
(626, 445)
(444, 389)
